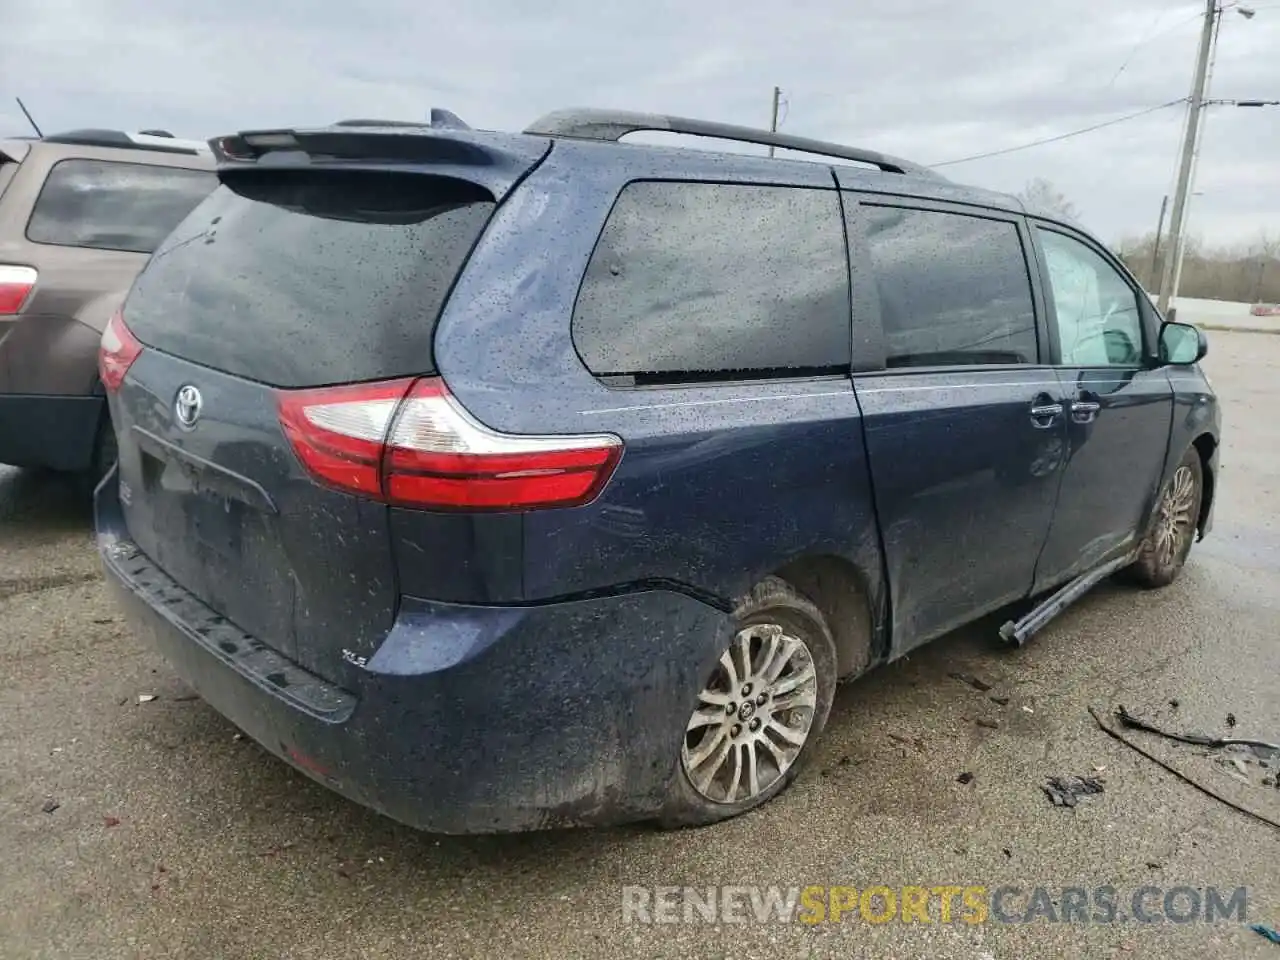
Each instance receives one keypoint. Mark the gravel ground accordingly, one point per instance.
(173, 837)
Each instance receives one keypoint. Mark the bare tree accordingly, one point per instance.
(1242, 273)
(1266, 253)
(1041, 195)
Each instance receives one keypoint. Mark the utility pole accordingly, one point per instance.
(1155, 247)
(1195, 108)
(1195, 159)
(773, 123)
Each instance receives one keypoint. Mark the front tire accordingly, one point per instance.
(759, 712)
(1168, 542)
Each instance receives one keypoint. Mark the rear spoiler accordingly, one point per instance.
(495, 161)
(14, 150)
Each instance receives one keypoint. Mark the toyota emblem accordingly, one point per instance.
(187, 406)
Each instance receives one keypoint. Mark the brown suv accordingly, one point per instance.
(80, 213)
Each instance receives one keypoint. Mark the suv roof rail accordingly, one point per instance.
(587, 123)
(147, 140)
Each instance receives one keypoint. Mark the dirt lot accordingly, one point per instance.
(174, 837)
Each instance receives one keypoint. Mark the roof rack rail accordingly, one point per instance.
(146, 140)
(592, 124)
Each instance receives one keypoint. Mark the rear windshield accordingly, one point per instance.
(108, 205)
(301, 279)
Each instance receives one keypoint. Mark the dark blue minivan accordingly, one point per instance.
(509, 481)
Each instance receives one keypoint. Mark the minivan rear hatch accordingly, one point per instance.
(299, 272)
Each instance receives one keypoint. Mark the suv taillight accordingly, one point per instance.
(410, 443)
(16, 284)
(116, 353)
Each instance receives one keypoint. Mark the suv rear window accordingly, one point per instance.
(300, 279)
(954, 289)
(114, 206)
(706, 281)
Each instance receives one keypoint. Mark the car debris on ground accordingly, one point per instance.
(1263, 748)
(916, 743)
(1263, 930)
(976, 682)
(1259, 748)
(1068, 791)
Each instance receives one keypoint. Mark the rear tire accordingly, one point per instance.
(104, 456)
(759, 713)
(1165, 548)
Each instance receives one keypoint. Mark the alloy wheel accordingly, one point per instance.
(1175, 524)
(753, 717)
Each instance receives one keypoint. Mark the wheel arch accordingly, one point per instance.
(1206, 445)
(840, 591)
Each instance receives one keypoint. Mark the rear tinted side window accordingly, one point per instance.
(114, 206)
(954, 289)
(702, 281)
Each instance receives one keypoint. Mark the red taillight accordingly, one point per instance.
(118, 350)
(339, 433)
(437, 454)
(16, 284)
(410, 443)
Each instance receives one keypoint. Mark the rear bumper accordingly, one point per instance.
(53, 432)
(466, 719)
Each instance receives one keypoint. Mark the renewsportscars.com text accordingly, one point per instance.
(943, 904)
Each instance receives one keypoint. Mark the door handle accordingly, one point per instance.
(1084, 411)
(1045, 415)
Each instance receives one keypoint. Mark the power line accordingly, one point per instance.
(1063, 136)
(1145, 39)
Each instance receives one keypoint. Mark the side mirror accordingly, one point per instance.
(1182, 344)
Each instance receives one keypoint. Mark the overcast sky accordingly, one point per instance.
(931, 80)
